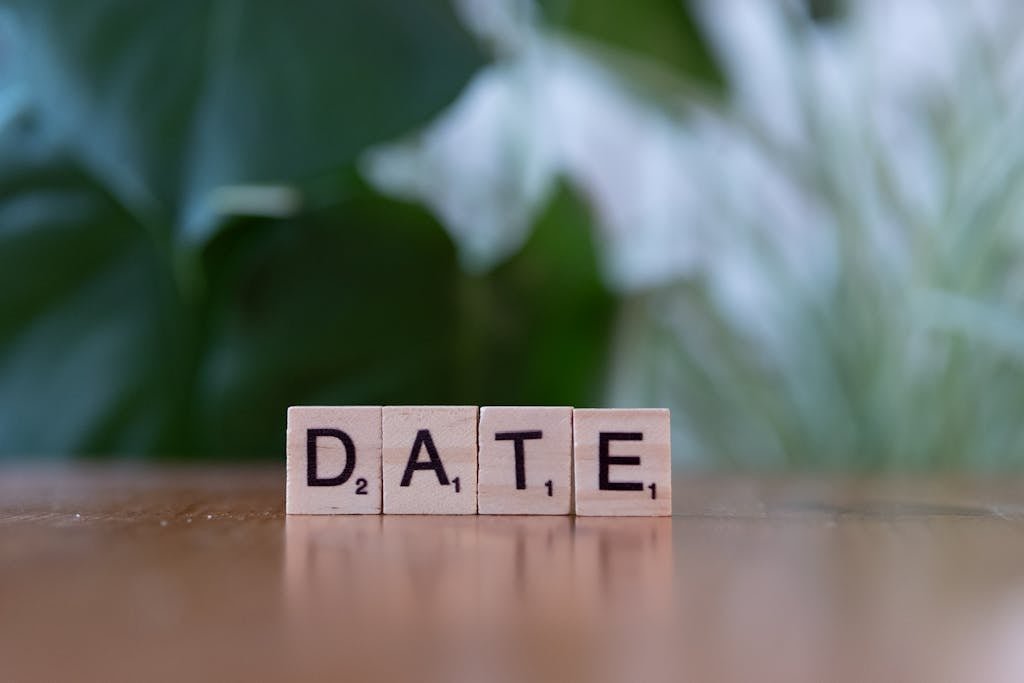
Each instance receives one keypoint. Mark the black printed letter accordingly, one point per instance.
(605, 460)
(314, 479)
(424, 439)
(517, 439)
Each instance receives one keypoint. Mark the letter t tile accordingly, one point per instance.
(525, 460)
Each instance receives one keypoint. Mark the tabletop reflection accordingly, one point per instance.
(453, 592)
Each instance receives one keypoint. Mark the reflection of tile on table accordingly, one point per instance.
(624, 564)
(527, 564)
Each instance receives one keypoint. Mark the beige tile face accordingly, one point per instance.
(430, 460)
(622, 462)
(334, 460)
(525, 461)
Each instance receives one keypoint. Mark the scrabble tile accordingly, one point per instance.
(334, 460)
(525, 461)
(430, 460)
(622, 462)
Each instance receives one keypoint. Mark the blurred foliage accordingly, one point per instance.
(91, 334)
(816, 265)
(137, 317)
(141, 316)
(540, 323)
(364, 303)
(660, 31)
(352, 304)
(863, 309)
(165, 102)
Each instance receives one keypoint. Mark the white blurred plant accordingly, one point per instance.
(824, 269)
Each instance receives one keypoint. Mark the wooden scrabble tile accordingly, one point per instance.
(334, 460)
(429, 460)
(622, 462)
(525, 461)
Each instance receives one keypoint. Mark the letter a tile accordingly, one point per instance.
(623, 462)
(430, 460)
(334, 460)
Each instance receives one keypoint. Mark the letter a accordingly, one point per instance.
(424, 440)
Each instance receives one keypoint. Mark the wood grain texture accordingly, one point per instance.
(348, 447)
(143, 573)
(622, 461)
(430, 460)
(543, 436)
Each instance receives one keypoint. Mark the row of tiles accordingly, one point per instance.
(465, 460)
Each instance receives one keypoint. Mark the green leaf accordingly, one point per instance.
(355, 304)
(89, 342)
(359, 303)
(539, 325)
(167, 101)
(364, 304)
(662, 31)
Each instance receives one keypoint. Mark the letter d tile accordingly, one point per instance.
(334, 460)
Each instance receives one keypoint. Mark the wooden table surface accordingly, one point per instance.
(144, 574)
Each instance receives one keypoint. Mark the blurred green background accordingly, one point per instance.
(797, 224)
